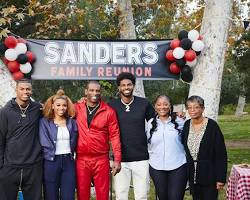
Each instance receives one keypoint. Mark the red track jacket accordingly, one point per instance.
(94, 140)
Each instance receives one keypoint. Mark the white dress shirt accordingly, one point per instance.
(166, 151)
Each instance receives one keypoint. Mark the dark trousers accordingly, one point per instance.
(59, 178)
(28, 179)
(170, 185)
(201, 192)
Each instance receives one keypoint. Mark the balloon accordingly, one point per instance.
(187, 77)
(10, 42)
(198, 45)
(186, 74)
(13, 66)
(31, 56)
(3, 48)
(178, 53)
(191, 63)
(186, 43)
(10, 54)
(22, 58)
(190, 55)
(175, 43)
(17, 75)
(5, 61)
(25, 68)
(21, 48)
(21, 40)
(193, 35)
(180, 62)
(174, 68)
(169, 55)
(182, 34)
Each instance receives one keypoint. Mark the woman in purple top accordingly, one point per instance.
(58, 135)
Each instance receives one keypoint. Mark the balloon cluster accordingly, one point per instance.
(183, 52)
(17, 57)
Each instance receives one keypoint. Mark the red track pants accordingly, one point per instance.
(96, 169)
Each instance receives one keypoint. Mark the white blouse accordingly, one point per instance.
(166, 151)
(63, 141)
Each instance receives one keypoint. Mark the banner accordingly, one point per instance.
(83, 60)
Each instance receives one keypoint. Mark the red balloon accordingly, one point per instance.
(190, 55)
(30, 56)
(5, 61)
(13, 66)
(17, 75)
(21, 40)
(10, 42)
(169, 55)
(174, 68)
(175, 43)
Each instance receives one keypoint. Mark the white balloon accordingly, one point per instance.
(10, 54)
(178, 52)
(21, 48)
(193, 35)
(191, 63)
(198, 45)
(25, 68)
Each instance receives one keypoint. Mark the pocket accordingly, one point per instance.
(50, 171)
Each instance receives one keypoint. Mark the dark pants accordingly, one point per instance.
(28, 179)
(59, 178)
(170, 185)
(201, 192)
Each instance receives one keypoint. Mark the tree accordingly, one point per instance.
(208, 72)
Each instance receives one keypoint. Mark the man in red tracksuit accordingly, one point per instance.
(97, 126)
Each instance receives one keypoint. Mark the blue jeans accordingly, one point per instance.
(59, 178)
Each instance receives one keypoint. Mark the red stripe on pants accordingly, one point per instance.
(96, 169)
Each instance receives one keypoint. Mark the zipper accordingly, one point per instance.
(21, 180)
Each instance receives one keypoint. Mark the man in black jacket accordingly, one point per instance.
(20, 150)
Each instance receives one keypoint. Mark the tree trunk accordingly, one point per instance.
(209, 69)
(127, 31)
(7, 85)
(240, 107)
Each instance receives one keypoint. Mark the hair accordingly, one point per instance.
(23, 80)
(48, 112)
(125, 75)
(92, 82)
(171, 114)
(196, 99)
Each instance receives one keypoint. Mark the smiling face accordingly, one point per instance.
(60, 107)
(126, 88)
(93, 93)
(23, 92)
(162, 107)
(195, 110)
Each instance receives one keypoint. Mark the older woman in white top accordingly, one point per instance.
(166, 153)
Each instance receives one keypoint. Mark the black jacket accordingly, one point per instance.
(212, 156)
(19, 136)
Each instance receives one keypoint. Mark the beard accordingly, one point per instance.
(126, 94)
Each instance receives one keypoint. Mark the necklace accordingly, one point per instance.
(127, 105)
(91, 111)
(23, 110)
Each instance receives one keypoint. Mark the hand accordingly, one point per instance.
(116, 168)
(219, 185)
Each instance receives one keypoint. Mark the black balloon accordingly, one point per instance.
(3, 48)
(186, 74)
(180, 62)
(198, 53)
(186, 43)
(182, 34)
(22, 58)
